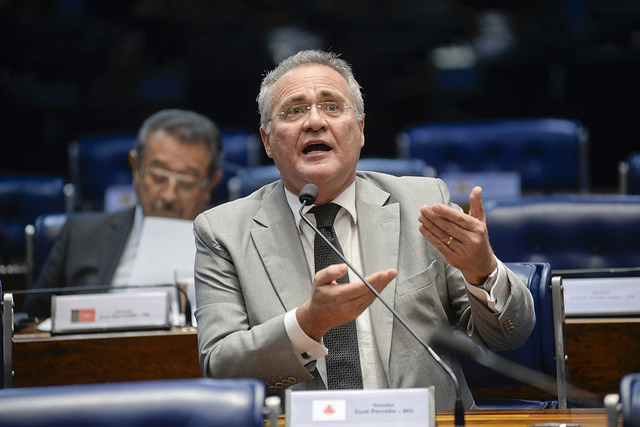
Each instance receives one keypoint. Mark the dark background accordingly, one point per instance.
(74, 67)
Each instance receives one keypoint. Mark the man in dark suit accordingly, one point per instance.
(175, 166)
(262, 309)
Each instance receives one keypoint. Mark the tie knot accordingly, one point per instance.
(325, 214)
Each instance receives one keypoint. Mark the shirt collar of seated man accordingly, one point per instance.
(173, 178)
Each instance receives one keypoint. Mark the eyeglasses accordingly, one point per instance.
(184, 183)
(328, 110)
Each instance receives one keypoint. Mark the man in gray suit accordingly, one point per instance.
(261, 310)
(175, 166)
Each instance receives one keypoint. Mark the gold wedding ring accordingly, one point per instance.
(448, 242)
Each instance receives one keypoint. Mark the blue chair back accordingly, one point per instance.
(540, 351)
(40, 238)
(240, 149)
(22, 199)
(96, 163)
(629, 171)
(248, 180)
(567, 231)
(397, 167)
(550, 154)
(630, 400)
(188, 402)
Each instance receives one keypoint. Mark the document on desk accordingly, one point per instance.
(166, 246)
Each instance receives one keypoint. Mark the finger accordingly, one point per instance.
(441, 241)
(381, 279)
(445, 225)
(476, 208)
(330, 274)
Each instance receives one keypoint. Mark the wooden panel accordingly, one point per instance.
(601, 351)
(41, 360)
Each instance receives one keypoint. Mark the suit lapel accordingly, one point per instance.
(379, 234)
(116, 236)
(276, 238)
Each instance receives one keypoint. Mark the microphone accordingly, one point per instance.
(308, 196)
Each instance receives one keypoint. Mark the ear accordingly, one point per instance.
(133, 163)
(265, 141)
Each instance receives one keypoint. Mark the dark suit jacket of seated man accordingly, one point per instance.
(261, 310)
(175, 166)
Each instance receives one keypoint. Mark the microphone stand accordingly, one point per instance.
(308, 197)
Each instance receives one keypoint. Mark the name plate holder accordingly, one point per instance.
(115, 311)
(406, 407)
(601, 296)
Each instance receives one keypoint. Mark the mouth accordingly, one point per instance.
(315, 148)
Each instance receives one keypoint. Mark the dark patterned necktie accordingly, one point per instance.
(343, 359)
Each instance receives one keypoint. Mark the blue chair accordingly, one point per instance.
(630, 400)
(397, 167)
(97, 163)
(188, 402)
(568, 231)
(40, 238)
(629, 174)
(551, 155)
(22, 199)
(240, 149)
(248, 180)
(545, 349)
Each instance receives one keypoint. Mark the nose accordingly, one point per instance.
(314, 119)
(170, 191)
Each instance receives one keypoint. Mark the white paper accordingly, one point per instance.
(166, 245)
(601, 296)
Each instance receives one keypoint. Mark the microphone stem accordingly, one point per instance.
(459, 410)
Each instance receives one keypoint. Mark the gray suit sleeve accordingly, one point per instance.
(231, 342)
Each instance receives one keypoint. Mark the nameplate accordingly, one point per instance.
(601, 296)
(110, 311)
(408, 407)
(495, 185)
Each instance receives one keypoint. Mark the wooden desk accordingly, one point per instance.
(520, 418)
(41, 360)
(601, 351)
(528, 418)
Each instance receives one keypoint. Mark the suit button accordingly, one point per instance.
(508, 325)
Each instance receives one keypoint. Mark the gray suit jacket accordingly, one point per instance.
(250, 270)
(86, 254)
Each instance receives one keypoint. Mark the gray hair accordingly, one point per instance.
(185, 126)
(306, 57)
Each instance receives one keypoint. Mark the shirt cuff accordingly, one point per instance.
(306, 348)
(496, 294)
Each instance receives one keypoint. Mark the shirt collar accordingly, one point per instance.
(346, 199)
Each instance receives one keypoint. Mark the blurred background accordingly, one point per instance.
(75, 67)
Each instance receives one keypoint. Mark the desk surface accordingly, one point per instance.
(520, 418)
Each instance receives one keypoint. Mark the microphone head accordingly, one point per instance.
(308, 194)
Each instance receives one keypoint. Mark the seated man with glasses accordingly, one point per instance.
(175, 167)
